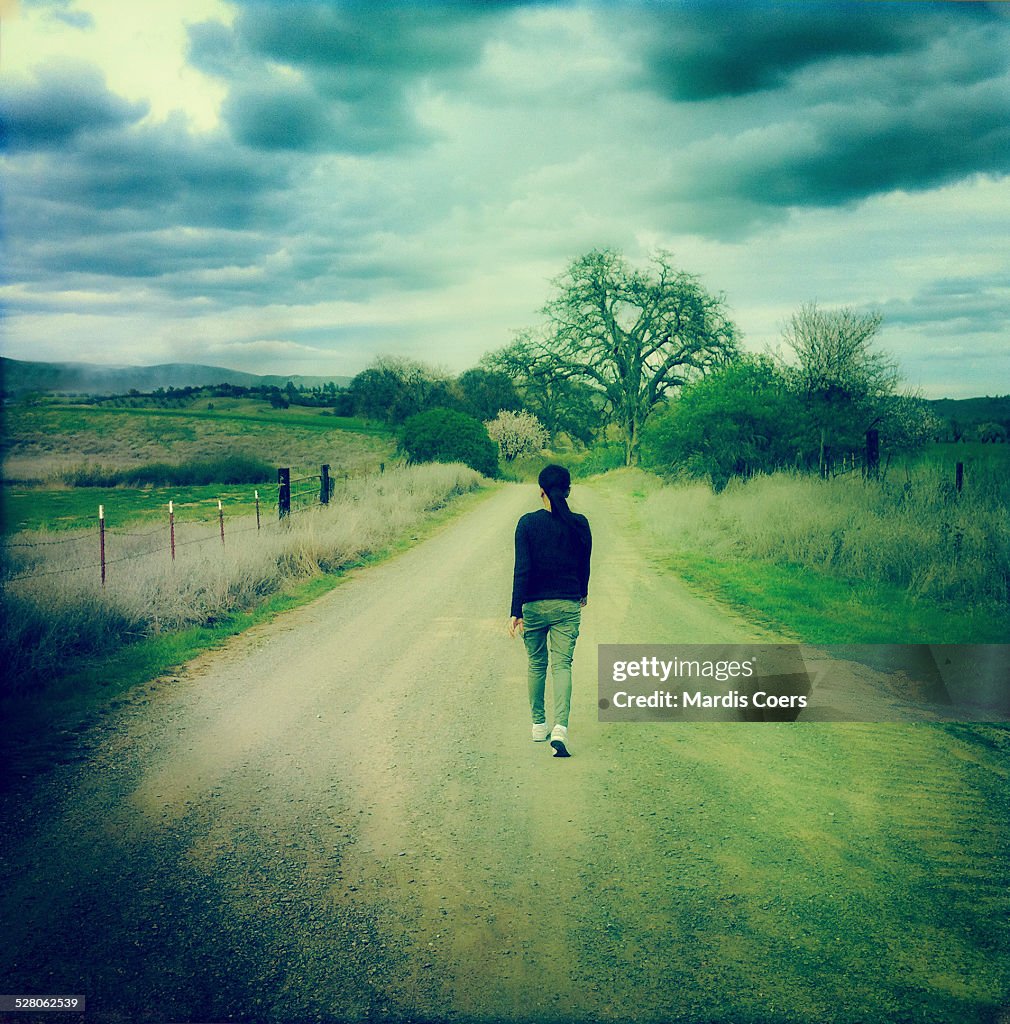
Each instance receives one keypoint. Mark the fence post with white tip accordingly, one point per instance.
(101, 539)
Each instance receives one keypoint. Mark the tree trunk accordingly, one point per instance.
(630, 442)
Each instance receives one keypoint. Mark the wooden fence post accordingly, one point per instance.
(283, 492)
(826, 462)
(324, 484)
(220, 519)
(872, 453)
(959, 476)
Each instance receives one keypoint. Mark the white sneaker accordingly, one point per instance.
(541, 731)
(559, 741)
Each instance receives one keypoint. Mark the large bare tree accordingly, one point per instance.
(632, 334)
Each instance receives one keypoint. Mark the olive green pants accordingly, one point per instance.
(551, 626)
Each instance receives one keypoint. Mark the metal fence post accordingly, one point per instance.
(101, 538)
(283, 492)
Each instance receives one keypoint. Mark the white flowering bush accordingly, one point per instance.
(516, 433)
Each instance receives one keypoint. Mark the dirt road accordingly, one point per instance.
(341, 815)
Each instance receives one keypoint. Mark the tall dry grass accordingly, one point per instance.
(56, 609)
(913, 532)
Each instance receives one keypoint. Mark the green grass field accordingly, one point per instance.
(76, 508)
(46, 440)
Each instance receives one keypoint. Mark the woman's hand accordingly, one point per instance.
(515, 626)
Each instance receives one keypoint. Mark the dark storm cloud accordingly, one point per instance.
(163, 174)
(132, 200)
(292, 116)
(822, 105)
(355, 65)
(844, 153)
(704, 51)
(62, 103)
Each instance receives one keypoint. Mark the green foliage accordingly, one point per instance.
(739, 420)
(229, 469)
(848, 387)
(393, 390)
(992, 432)
(485, 393)
(373, 393)
(444, 435)
(631, 335)
(600, 458)
(562, 404)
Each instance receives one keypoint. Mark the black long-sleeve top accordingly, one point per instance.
(551, 561)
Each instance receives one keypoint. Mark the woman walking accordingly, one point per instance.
(550, 587)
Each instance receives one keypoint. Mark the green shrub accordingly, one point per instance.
(443, 435)
(600, 458)
(737, 421)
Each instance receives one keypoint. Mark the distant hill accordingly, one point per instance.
(971, 412)
(18, 376)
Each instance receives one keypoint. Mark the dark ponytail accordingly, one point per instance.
(556, 483)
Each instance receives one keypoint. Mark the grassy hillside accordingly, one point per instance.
(47, 439)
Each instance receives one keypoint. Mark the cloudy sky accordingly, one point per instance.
(298, 187)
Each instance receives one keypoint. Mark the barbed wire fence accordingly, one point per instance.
(868, 465)
(273, 506)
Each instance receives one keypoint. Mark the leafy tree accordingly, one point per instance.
(445, 435)
(740, 419)
(393, 389)
(484, 393)
(632, 335)
(516, 433)
(906, 421)
(373, 392)
(562, 404)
